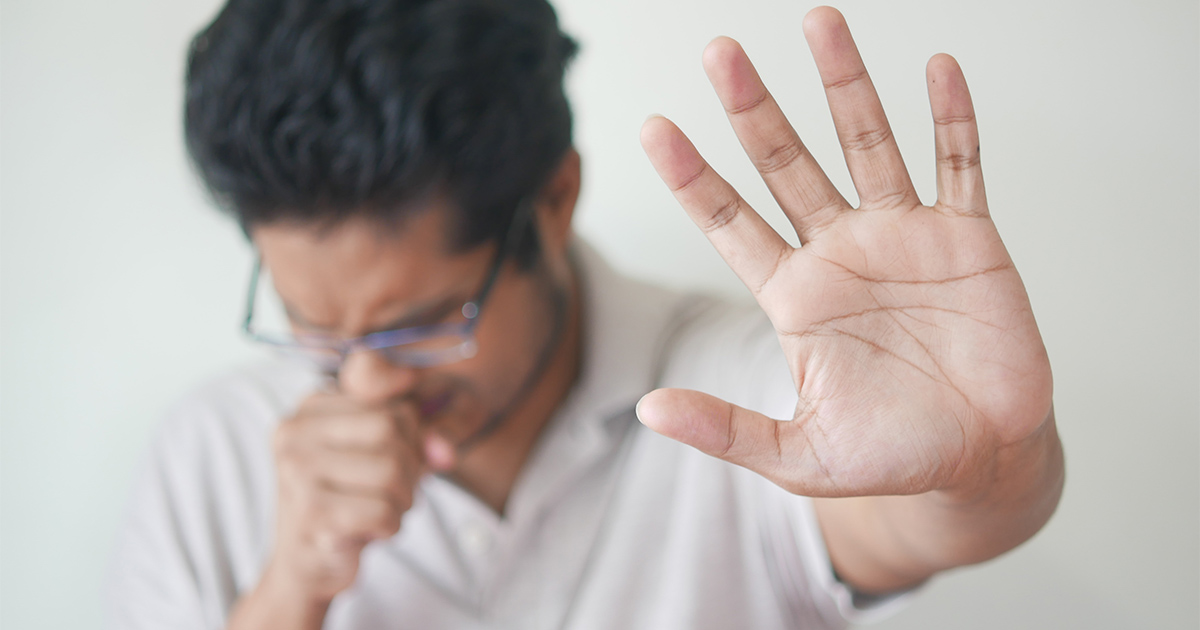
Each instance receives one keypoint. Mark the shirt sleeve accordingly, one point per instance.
(196, 529)
(795, 545)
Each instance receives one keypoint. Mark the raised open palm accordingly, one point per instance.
(907, 329)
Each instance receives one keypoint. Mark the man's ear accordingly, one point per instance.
(555, 204)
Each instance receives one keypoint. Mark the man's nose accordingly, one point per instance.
(368, 377)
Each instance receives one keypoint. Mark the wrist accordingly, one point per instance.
(280, 601)
(1006, 505)
(884, 543)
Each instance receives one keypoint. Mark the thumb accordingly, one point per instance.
(721, 429)
(440, 454)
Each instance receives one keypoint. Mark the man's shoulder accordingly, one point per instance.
(656, 310)
(248, 398)
(631, 328)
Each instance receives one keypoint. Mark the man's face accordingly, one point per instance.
(360, 277)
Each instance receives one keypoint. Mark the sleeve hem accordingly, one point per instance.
(853, 606)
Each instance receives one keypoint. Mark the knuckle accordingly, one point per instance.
(780, 157)
(867, 139)
(378, 428)
(827, 209)
(958, 162)
(723, 215)
(890, 200)
(690, 180)
(946, 121)
(846, 81)
(751, 105)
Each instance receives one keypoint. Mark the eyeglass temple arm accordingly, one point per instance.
(522, 216)
(250, 294)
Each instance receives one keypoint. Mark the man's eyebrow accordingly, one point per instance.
(422, 315)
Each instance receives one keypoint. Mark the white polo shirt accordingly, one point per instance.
(609, 525)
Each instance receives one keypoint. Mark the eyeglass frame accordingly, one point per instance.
(386, 339)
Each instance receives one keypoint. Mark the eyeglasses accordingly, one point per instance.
(417, 346)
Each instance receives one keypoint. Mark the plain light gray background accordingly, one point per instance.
(121, 287)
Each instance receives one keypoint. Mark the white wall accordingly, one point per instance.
(120, 287)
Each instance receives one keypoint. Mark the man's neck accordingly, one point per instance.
(490, 469)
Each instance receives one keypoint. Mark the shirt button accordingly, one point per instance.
(475, 539)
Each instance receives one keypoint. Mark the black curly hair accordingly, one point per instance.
(317, 111)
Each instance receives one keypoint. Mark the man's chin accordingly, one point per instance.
(454, 414)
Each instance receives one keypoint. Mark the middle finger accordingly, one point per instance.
(866, 137)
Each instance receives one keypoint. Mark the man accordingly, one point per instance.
(462, 449)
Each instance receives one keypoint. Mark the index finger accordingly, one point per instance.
(749, 245)
(343, 423)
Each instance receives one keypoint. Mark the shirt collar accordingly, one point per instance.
(623, 324)
(624, 321)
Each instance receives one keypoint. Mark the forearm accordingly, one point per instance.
(880, 544)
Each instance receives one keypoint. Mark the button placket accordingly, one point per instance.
(476, 539)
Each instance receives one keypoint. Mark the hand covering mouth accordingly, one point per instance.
(434, 405)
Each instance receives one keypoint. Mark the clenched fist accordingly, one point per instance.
(346, 474)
